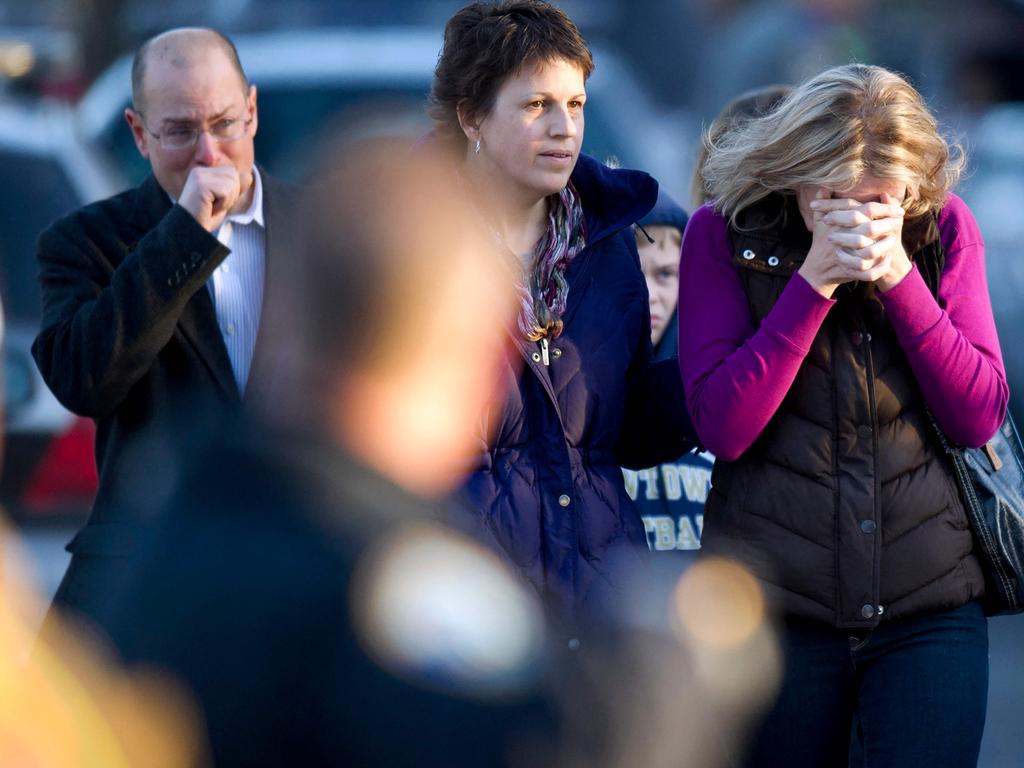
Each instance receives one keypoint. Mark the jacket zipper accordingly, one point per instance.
(869, 362)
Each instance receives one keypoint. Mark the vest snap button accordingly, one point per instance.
(563, 500)
(868, 526)
(748, 254)
(867, 611)
(535, 357)
(556, 352)
(773, 261)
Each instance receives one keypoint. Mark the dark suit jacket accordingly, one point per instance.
(130, 338)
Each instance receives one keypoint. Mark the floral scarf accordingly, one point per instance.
(543, 290)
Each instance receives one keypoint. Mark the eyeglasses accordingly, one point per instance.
(224, 131)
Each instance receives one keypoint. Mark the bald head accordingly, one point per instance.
(180, 49)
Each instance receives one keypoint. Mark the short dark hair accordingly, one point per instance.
(485, 43)
(217, 39)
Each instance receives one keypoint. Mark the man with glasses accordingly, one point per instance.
(153, 300)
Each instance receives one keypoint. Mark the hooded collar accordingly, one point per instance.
(613, 198)
(666, 213)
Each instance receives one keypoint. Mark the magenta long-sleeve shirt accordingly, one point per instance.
(736, 374)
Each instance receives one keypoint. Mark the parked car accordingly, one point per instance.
(309, 80)
(49, 470)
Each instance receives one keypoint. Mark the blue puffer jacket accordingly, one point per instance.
(548, 492)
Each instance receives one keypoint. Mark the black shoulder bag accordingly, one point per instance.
(991, 482)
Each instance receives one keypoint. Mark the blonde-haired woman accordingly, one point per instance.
(835, 293)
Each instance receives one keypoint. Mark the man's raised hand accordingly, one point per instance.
(210, 193)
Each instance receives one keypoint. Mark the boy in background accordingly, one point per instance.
(669, 496)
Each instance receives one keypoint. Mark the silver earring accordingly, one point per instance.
(478, 146)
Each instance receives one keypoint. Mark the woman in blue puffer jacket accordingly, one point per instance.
(582, 397)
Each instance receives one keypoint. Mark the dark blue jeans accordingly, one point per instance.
(917, 690)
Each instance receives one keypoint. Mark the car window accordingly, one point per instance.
(34, 190)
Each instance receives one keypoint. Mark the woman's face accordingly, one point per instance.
(868, 190)
(531, 138)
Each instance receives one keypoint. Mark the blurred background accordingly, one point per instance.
(664, 68)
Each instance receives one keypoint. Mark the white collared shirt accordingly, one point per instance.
(237, 284)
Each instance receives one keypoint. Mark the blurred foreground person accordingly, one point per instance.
(66, 704)
(62, 703)
(152, 299)
(835, 292)
(3, 389)
(580, 393)
(297, 585)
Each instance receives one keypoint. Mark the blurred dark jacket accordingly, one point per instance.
(548, 491)
(130, 338)
(250, 591)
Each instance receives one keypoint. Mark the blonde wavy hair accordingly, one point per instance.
(830, 131)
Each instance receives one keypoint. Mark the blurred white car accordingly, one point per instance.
(49, 471)
(307, 80)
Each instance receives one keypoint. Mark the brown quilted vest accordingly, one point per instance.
(844, 506)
